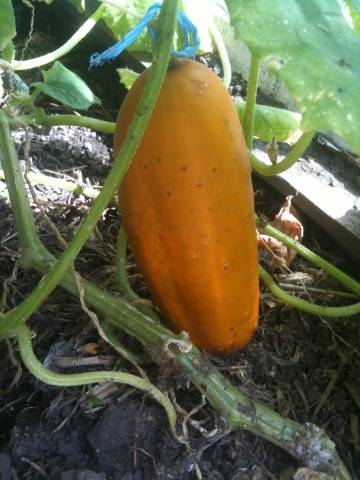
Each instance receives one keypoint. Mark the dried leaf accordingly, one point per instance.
(287, 222)
(277, 250)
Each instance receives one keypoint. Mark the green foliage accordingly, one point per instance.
(125, 17)
(127, 77)
(354, 10)
(8, 53)
(7, 24)
(312, 48)
(67, 88)
(272, 122)
(201, 12)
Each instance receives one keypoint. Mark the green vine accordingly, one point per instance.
(75, 379)
(36, 178)
(235, 406)
(133, 138)
(64, 49)
(24, 219)
(251, 101)
(223, 54)
(295, 153)
(304, 442)
(121, 273)
(121, 264)
(304, 305)
(39, 118)
(312, 257)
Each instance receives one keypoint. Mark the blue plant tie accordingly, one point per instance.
(191, 39)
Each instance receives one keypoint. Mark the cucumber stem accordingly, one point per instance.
(295, 153)
(251, 101)
(76, 379)
(64, 49)
(122, 277)
(312, 257)
(40, 118)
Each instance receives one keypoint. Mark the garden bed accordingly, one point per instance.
(300, 365)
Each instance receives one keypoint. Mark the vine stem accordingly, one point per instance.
(128, 148)
(36, 178)
(122, 277)
(64, 119)
(135, 359)
(312, 257)
(251, 100)
(76, 379)
(27, 233)
(61, 51)
(297, 150)
(307, 443)
(304, 305)
(24, 218)
(121, 264)
(223, 54)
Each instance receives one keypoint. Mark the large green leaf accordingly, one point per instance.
(354, 10)
(67, 88)
(272, 122)
(7, 23)
(120, 20)
(202, 13)
(312, 48)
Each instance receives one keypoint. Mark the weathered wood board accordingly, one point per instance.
(325, 186)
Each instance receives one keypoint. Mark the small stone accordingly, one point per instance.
(307, 474)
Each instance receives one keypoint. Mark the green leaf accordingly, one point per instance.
(272, 122)
(121, 20)
(125, 17)
(8, 53)
(354, 10)
(7, 23)
(127, 77)
(312, 48)
(205, 13)
(67, 88)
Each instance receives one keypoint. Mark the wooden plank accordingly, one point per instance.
(326, 188)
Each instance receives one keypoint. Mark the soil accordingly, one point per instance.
(302, 366)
